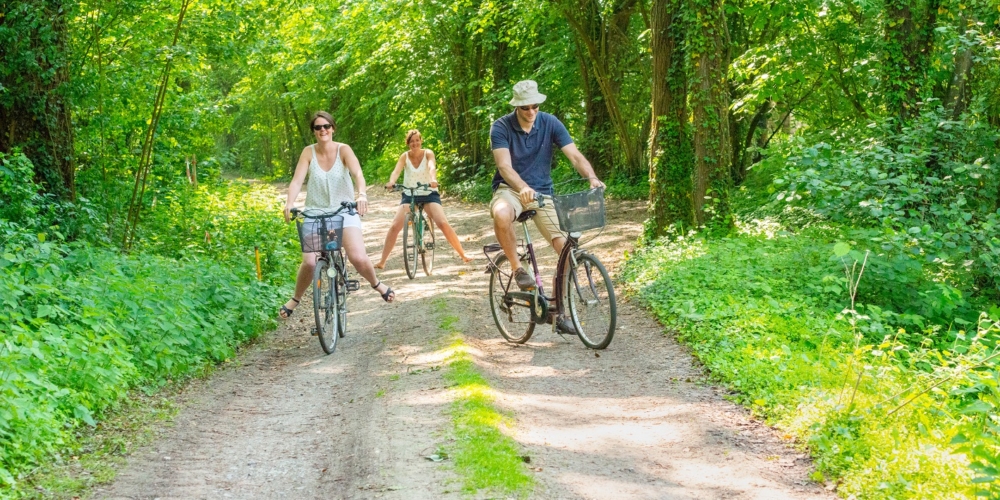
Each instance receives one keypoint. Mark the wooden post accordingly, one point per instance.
(256, 252)
(194, 170)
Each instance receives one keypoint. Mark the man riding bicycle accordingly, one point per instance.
(522, 144)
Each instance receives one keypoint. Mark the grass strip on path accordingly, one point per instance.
(484, 457)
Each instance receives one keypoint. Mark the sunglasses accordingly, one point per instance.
(323, 126)
(528, 108)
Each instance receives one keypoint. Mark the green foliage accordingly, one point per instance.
(223, 223)
(880, 398)
(83, 325)
(926, 196)
(19, 195)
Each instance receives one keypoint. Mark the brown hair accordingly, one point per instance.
(410, 133)
(324, 115)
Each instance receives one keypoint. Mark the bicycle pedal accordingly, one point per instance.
(314, 332)
(353, 285)
(429, 246)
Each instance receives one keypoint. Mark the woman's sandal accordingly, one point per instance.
(285, 312)
(388, 292)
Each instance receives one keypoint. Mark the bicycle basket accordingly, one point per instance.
(580, 211)
(316, 232)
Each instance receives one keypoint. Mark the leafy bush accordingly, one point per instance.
(83, 325)
(885, 412)
(927, 194)
(19, 198)
(223, 222)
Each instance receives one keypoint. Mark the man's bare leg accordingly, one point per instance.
(503, 228)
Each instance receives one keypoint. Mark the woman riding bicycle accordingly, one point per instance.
(425, 173)
(330, 167)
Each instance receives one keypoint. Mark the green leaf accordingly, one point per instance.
(841, 249)
(979, 406)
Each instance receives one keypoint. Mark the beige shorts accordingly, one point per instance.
(545, 220)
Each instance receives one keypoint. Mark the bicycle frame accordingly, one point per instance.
(565, 258)
(416, 209)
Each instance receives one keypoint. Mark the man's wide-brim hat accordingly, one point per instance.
(525, 93)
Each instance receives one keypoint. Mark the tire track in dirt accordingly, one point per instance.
(639, 421)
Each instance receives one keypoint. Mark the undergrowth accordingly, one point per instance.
(846, 382)
(83, 326)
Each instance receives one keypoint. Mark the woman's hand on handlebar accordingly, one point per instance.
(596, 183)
(288, 212)
(434, 185)
(389, 186)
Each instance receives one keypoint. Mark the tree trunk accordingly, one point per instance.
(603, 35)
(909, 38)
(598, 134)
(710, 107)
(34, 107)
(670, 154)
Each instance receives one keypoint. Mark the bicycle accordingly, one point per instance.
(322, 231)
(423, 234)
(584, 291)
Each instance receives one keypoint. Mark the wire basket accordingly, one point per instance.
(580, 211)
(320, 233)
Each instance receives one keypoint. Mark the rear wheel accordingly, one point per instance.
(427, 257)
(325, 307)
(512, 319)
(340, 291)
(410, 246)
(591, 300)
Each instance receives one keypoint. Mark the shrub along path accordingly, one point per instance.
(639, 420)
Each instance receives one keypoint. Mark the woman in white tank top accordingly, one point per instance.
(423, 172)
(330, 167)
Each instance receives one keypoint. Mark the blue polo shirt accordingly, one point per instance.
(530, 152)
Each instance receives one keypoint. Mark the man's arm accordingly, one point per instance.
(581, 165)
(506, 168)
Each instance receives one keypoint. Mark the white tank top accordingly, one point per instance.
(421, 173)
(327, 188)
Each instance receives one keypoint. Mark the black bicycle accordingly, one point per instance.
(584, 292)
(322, 231)
(418, 234)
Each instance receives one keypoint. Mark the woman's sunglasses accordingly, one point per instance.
(528, 108)
(321, 127)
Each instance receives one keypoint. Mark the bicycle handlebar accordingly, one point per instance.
(349, 206)
(420, 185)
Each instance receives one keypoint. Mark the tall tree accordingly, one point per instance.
(670, 154)
(710, 109)
(35, 107)
(909, 40)
(602, 30)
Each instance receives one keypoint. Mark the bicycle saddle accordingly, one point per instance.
(525, 215)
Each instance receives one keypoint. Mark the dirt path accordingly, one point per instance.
(639, 421)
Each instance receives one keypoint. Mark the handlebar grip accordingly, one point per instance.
(540, 198)
(295, 212)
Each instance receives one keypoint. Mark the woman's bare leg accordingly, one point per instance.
(354, 245)
(436, 213)
(303, 279)
(390, 237)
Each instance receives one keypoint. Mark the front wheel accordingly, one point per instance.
(410, 246)
(513, 319)
(427, 256)
(591, 298)
(325, 307)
